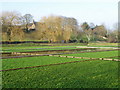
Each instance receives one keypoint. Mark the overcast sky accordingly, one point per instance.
(95, 11)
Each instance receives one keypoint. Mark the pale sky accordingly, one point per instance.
(91, 11)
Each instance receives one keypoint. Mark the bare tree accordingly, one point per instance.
(53, 29)
(113, 35)
(8, 21)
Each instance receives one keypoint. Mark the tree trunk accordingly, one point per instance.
(9, 34)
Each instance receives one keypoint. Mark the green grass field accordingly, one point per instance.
(93, 74)
(25, 47)
(87, 74)
(95, 54)
(34, 61)
(37, 49)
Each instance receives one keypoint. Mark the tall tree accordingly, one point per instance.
(8, 21)
(27, 18)
(87, 30)
(100, 33)
(85, 26)
(113, 35)
(55, 28)
(70, 26)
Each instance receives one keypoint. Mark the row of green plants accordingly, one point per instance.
(34, 61)
(43, 60)
(95, 54)
(43, 49)
(93, 74)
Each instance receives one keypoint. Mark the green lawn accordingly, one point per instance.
(32, 47)
(90, 74)
(44, 60)
(34, 61)
(95, 54)
(35, 49)
(43, 44)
